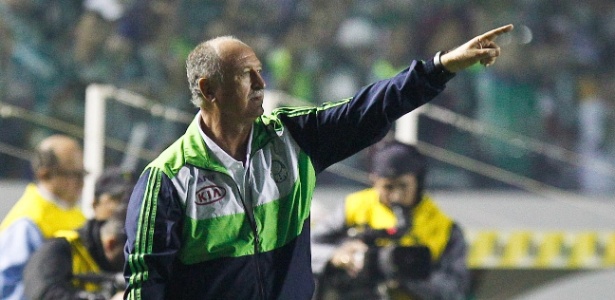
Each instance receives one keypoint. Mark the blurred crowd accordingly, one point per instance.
(554, 83)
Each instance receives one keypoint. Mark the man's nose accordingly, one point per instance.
(395, 196)
(258, 82)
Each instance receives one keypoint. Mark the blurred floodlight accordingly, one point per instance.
(521, 35)
(525, 35)
(357, 32)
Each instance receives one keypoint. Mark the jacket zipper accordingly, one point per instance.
(253, 226)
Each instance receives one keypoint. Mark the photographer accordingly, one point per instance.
(391, 241)
(85, 263)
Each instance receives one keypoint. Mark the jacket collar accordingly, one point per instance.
(195, 148)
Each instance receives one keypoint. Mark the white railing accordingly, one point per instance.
(97, 140)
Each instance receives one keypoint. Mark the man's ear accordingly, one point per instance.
(372, 178)
(43, 173)
(109, 243)
(207, 89)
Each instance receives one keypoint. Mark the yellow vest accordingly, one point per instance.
(430, 226)
(48, 216)
(83, 263)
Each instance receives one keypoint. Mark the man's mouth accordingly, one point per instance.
(258, 96)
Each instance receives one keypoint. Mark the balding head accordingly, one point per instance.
(58, 166)
(205, 61)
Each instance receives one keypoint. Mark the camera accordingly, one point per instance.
(109, 283)
(413, 262)
(384, 262)
(385, 256)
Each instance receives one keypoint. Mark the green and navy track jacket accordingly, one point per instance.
(195, 233)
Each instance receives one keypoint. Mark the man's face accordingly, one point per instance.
(106, 205)
(114, 252)
(240, 94)
(399, 190)
(66, 180)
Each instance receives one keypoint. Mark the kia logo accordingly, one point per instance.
(210, 194)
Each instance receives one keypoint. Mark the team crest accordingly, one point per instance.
(279, 171)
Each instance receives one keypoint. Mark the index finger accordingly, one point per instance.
(492, 34)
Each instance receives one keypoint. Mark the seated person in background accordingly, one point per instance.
(47, 206)
(85, 263)
(82, 264)
(391, 241)
(112, 190)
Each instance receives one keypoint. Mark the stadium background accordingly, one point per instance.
(522, 153)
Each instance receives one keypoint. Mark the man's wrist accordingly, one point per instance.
(437, 61)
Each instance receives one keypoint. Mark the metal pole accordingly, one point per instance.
(93, 141)
(407, 127)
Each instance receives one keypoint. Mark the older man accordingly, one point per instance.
(224, 212)
(47, 206)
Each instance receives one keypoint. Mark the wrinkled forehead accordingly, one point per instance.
(404, 179)
(68, 153)
(237, 54)
(71, 159)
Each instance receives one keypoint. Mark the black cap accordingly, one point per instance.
(114, 181)
(394, 159)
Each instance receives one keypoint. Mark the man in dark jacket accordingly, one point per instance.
(224, 212)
